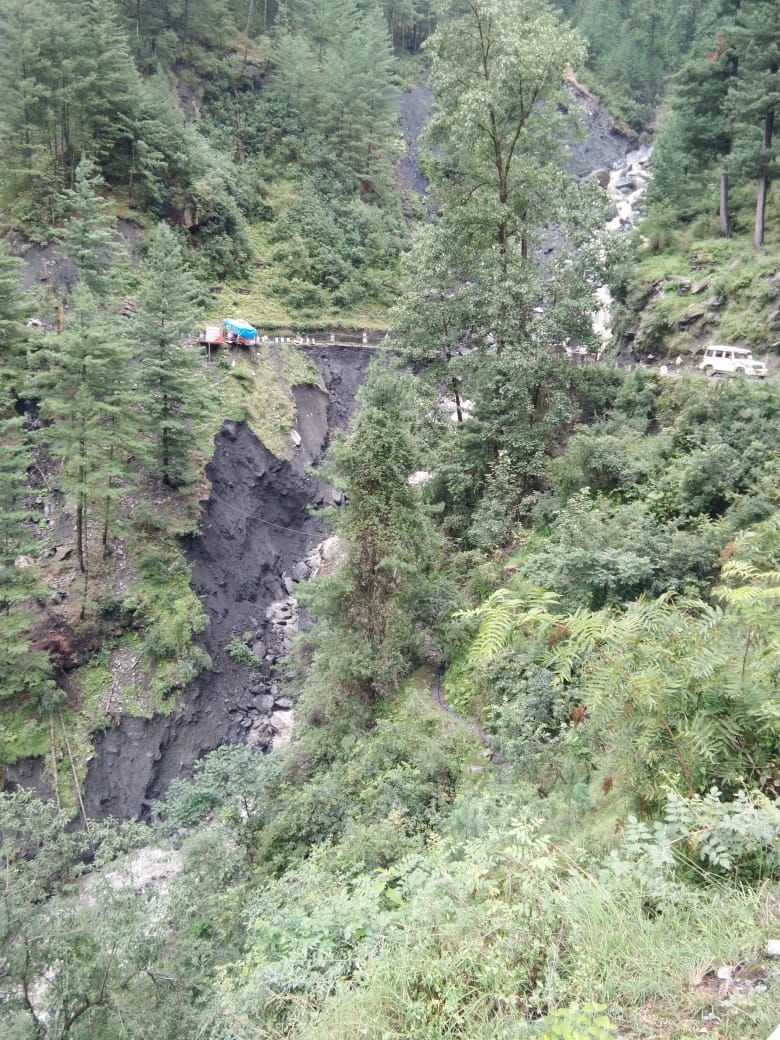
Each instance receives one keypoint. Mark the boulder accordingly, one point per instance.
(301, 571)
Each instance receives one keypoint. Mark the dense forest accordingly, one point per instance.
(531, 786)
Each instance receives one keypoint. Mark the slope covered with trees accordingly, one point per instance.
(532, 788)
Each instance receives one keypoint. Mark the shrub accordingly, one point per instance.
(238, 650)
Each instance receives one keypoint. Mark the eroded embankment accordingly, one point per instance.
(256, 531)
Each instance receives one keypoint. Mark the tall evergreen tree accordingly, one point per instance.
(89, 238)
(12, 338)
(171, 380)
(86, 395)
(697, 131)
(755, 97)
(24, 672)
(367, 607)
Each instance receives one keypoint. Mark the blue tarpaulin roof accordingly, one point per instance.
(241, 327)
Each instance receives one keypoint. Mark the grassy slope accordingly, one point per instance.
(255, 300)
(693, 288)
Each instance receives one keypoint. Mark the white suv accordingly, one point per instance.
(731, 359)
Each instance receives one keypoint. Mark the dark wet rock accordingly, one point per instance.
(301, 571)
(603, 144)
(416, 107)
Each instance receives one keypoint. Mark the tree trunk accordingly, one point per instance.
(763, 182)
(763, 188)
(725, 220)
(458, 405)
(106, 518)
(81, 512)
(80, 536)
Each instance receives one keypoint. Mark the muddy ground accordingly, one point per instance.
(257, 529)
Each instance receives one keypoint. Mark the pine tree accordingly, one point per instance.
(171, 379)
(12, 337)
(23, 671)
(88, 399)
(704, 128)
(89, 237)
(755, 97)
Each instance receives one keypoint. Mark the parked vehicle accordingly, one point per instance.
(240, 332)
(233, 331)
(724, 360)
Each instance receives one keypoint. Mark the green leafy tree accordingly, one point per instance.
(367, 608)
(496, 73)
(435, 311)
(497, 166)
(77, 963)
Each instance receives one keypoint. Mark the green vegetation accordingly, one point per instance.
(633, 48)
(532, 789)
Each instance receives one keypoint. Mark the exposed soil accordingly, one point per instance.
(416, 107)
(604, 143)
(257, 531)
